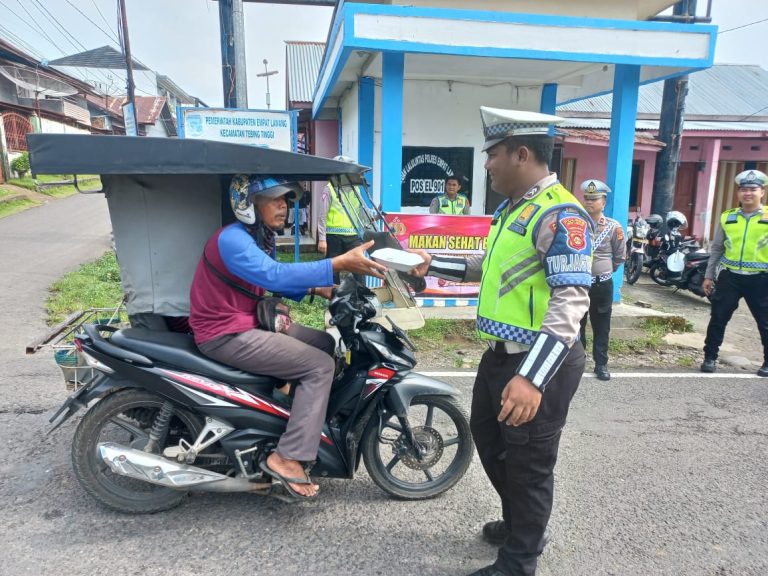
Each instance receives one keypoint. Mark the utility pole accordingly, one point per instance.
(232, 30)
(266, 74)
(671, 128)
(128, 63)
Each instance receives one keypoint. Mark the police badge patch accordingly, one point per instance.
(576, 228)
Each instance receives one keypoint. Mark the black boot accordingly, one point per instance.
(709, 365)
(763, 371)
(487, 571)
(496, 533)
(602, 372)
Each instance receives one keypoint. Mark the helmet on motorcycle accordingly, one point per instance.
(676, 219)
(654, 221)
(244, 188)
(342, 158)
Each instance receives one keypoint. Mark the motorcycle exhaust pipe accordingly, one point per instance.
(158, 470)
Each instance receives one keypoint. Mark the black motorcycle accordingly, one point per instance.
(680, 264)
(167, 420)
(637, 240)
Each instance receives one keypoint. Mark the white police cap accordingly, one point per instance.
(499, 124)
(595, 188)
(751, 178)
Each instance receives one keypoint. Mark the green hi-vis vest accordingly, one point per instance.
(337, 221)
(452, 206)
(514, 293)
(746, 240)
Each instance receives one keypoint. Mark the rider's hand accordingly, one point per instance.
(519, 401)
(708, 286)
(322, 247)
(325, 292)
(357, 262)
(421, 269)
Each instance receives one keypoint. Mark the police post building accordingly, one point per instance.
(406, 79)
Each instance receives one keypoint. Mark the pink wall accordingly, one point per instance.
(326, 145)
(592, 160)
(740, 149)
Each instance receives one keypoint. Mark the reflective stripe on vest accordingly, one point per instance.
(452, 206)
(337, 221)
(514, 294)
(746, 240)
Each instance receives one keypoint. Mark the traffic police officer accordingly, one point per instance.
(535, 279)
(608, 253)
(741, 247)
(336, 233)
(452, 202)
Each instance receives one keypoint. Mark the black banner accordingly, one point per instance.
(425, 170)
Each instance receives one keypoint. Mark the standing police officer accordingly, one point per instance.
(336, 233)
(535, 279)
(608, 253)
(452, 202)
(741, 246)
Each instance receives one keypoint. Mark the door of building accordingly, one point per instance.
(685, 191)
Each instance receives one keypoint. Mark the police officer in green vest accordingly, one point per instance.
(741, 247)
(535, 278)
(452, 202)
(336, 233)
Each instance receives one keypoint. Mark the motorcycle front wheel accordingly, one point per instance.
(634, 267)
(658, 274)
(126, 418)
(444, 440)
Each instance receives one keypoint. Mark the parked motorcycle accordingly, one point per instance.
(637, 239)
(680, 263)
(168, 420)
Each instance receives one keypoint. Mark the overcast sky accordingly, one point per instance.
(180, 38)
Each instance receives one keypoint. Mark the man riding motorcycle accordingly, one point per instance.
(237, 267)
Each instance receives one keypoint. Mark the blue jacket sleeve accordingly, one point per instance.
(246, 260)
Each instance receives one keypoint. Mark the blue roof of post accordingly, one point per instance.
(725, 91)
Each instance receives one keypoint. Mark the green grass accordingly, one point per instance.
(13, 206)
(90, 183)
(94, 285)
(650, 334)
(448, 335)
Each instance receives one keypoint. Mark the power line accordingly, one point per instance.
(107, 34)
(40, 28)
(101, 14)
(743, 26)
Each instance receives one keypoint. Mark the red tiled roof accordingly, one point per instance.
(148, 108)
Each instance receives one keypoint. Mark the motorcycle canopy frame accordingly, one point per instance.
(167, 196)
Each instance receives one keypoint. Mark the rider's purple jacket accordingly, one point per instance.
(217, 309)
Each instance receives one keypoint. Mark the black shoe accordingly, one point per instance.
(709, 365)
(602, 372)
(487, 571)
(496, 533)
(763, 371)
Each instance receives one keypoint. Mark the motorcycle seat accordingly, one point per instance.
(696, 256)
(179, 351)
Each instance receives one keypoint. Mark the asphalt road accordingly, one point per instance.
(658, 474)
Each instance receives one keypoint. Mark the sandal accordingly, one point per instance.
(286, 482)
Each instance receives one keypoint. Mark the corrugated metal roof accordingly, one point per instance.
(703, 125)
(723, 90)
(104, 57)
(303, 60)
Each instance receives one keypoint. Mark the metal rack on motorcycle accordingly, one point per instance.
(61, 340)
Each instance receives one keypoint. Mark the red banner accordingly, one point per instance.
(446, 236)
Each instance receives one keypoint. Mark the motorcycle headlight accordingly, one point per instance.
(642, 229)
(390, 356)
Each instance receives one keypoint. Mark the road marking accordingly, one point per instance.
(618, 375)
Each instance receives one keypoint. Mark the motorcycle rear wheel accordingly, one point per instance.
(126, 417)
(442, 430)
(657, 274)
(634, 267)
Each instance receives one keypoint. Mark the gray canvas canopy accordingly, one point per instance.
(166, 197)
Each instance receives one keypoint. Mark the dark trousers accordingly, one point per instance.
(302, 355)
(729, 289)
(520, 461)
(600, 307)
(338, 245)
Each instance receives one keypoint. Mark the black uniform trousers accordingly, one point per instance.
(729, 289)
(600, 308)
(520, 461)
(338, 245)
